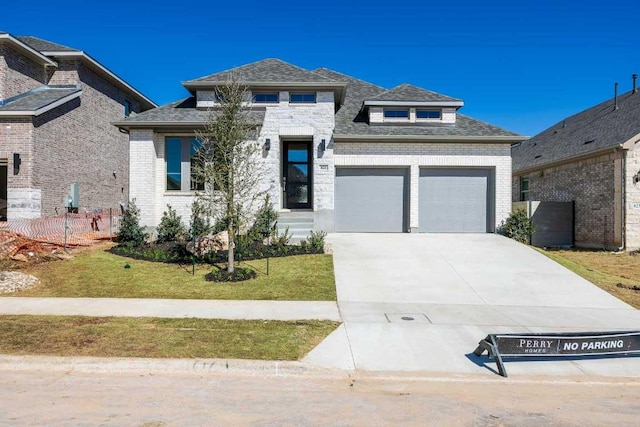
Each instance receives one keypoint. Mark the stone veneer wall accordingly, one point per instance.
(591, 183)
(632, 196)
(283, 121)
(416, 155)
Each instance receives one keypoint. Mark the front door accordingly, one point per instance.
(297, 175)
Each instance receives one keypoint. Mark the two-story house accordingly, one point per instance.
(56, 105)
(349, 155)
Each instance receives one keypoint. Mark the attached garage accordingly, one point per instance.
(455, 200)
(371, 199)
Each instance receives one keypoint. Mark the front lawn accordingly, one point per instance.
(616, 273)
(166, 338)
(97, 273)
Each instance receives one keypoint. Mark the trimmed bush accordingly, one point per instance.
(171, 228)
(518, 227)
(131, 233)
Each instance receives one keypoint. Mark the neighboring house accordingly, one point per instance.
(593, 159)
(349, 155)
(56, 105)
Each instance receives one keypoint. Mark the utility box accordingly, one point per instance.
(72, 200)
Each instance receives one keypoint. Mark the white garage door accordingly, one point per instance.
(455, 200)
(370, 199)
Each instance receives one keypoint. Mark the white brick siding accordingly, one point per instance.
(416, 155)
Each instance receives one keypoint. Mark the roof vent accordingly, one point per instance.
(538, 156)
(588, 142)
(635, 78)
(615, 95)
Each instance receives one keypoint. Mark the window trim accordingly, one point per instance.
(396, 118)
(253, 97)
(429, 110)
(186, 173)
(315, 97)
(127, 108)
(524, 194)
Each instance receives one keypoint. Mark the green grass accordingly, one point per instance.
(160, 338)
(99, 274)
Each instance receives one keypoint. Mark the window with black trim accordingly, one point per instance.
(428, 114)
(181, 159)
(266, 97)
(524, 188)
(127, 108)
(302, 98)
(396, 113)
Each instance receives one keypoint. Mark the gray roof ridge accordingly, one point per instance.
(350, 77)
(414, 87)
(46, 41)
(231, 70)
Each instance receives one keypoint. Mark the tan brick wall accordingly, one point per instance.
(18, 74)
(591, 184)
(75, 143)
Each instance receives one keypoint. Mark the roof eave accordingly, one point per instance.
(374, 103)
(29, 50)
(82, 55)
(571, 159)
(125, 124)
(430, 138)
(43, 109)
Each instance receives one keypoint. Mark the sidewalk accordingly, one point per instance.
(172, 308)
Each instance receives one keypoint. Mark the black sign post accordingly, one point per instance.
(499, 346)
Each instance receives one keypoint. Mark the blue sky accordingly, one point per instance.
(518, 64)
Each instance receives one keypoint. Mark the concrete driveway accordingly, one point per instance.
(421, 302)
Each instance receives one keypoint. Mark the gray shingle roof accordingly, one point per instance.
(45, 45)
(350, 120)
(410, 93)
(597, 128)
(183, 111)
(267, 70)
(37, 99)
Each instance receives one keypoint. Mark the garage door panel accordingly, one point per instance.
(370, 200)
(454, 200)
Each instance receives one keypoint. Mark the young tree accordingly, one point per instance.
(229, 163)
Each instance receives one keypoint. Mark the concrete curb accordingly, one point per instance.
(272, 368)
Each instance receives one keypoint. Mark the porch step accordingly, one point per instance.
(300, 224)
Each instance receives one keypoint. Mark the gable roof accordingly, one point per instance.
(409, 93)
(45, 45)
(598, 128)
(26, 49)
(39, 101)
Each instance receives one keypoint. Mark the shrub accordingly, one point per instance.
(265, 223)
(316, 241)
(131, 233)
(171, 228)
(282, 240)
(518, 227)
(239, 274)
(200, 224)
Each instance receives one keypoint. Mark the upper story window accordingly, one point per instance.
(396, 114)
(524, 188)
(266, 97)
(127, 108)
(429, 114)
(302, 98)
(181, 160)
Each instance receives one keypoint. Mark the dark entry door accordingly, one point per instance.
(297, 175)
